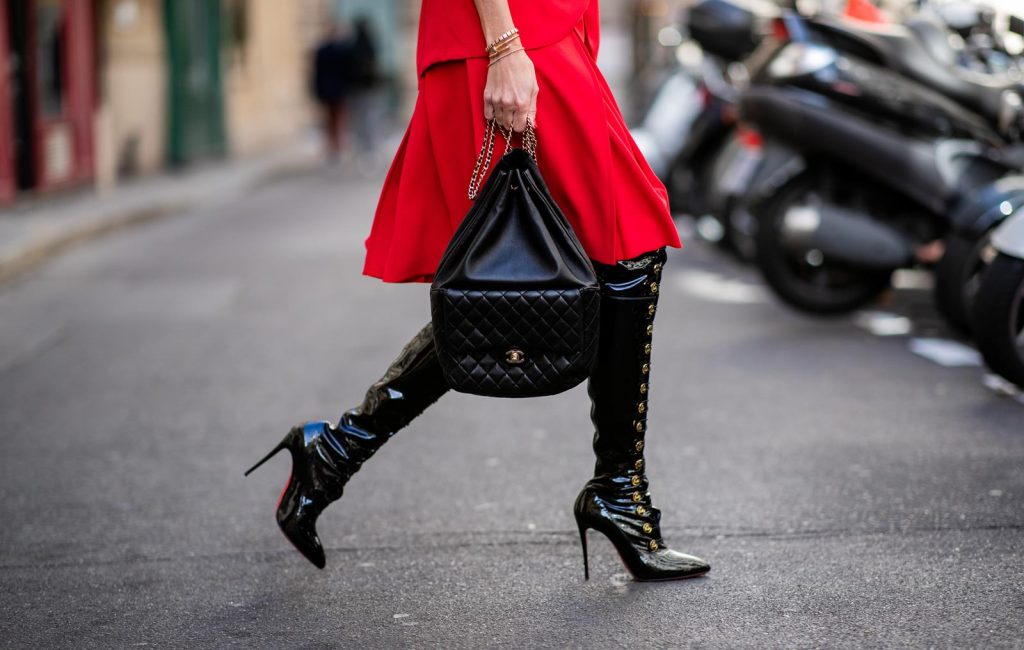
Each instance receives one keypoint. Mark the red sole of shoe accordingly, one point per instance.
(280, 497)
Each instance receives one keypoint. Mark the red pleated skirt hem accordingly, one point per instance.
(614, 202)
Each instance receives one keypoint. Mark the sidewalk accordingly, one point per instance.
(34, 230)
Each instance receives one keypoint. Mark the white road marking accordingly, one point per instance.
(946, 352)
(715, 287)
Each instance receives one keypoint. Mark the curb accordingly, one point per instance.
(38, 252)
(48, 246)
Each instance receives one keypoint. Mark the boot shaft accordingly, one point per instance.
(412, 383)
(619, 387)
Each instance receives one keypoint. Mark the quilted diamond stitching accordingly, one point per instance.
(556, 328)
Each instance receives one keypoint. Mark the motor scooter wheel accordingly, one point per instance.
(957, 279)
(805, 279)
(998, 318)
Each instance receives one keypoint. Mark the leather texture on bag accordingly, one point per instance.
(515, 301)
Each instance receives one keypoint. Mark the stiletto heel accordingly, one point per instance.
(583, 543)
(273, 452)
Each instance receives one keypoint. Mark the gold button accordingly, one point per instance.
(646, 368)
(643, 389)
(647, 348)
(653, 545)
(648, 528)
(639, 426)
(650, 330)
(635, 481)
(637, 497)
(654, 287)
(657, 268)
(641, 408)
(640, 510)
(651, 310)
(638, 465)
(639, 445)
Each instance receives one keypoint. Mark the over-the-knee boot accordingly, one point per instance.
(616, 501)
(324, 457)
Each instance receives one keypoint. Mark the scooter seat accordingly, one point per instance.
(902, 50)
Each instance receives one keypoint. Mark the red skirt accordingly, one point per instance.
(616, 205)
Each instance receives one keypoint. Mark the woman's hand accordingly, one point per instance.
(510, 96)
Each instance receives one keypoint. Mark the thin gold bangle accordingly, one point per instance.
(502, 47)
(499, 58)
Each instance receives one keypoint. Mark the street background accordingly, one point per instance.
(847, 489)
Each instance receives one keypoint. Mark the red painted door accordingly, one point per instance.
(62, 73)
(7, 178)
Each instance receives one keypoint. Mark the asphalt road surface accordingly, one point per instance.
(847, 492)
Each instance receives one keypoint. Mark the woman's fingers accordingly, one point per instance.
(499, 115)
(521, 115)
(508, 114)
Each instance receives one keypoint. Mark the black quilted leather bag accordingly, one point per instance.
(515, 300)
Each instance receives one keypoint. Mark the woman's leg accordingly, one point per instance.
(616, 501)
(324, 457)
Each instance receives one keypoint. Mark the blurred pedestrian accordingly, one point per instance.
(364, 82)
(475, 65)
(332, 82)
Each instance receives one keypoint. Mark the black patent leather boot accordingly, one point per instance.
(324, 457)
(616, 501)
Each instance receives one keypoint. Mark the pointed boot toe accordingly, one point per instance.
(666, 564)
(297, 512)
(301, 532)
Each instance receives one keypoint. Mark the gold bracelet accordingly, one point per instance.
(499, 58)
(507, 36)
(503, 47)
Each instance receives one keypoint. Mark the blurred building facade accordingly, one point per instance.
(100, 90)
(97, 91)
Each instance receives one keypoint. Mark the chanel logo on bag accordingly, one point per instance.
(515, 356)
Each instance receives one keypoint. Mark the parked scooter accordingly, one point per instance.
(878, 164)
(958, 274)
(998, 310)
(746, 161)
(694, 110)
